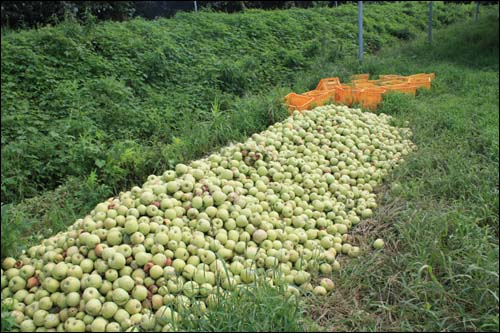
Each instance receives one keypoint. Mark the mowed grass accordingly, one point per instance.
(438, 212)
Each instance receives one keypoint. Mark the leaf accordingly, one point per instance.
(100, 163)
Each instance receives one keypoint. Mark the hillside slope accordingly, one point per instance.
(113, 97)
(439, 212)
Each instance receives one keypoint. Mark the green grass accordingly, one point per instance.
(110, 104)
(439, 211)
(258, 307)
(114, 97)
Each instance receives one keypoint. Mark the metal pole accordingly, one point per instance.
(335, 3)
(360, 29)
(195, 7)
(477, 11)
(430, 22)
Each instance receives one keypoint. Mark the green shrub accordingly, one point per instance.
(75, 97)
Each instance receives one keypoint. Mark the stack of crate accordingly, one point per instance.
(361, 90)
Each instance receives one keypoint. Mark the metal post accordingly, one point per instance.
(195, 6)
(335, 3)
(476, 14)
(360, 29)
(430, 22)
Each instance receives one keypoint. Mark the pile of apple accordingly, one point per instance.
(278, 207)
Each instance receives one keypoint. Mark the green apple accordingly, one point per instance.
(120, 296)
(90, 293)
(75, 325)
(133, 306)
(113, 327)
(49, 284)
(70, 284)
(117, 261)
(126, 282)
(378, 244)
(98, 325)
(45, 303)
(52, 320)
(327, 284)
(155, 272)
(93, 307)
(17, 283)
(73, 299)
(39, 317)
(114, 237)
(139, 293)
(319, 291)
(259, 236)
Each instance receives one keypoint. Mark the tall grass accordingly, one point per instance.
(257, 307)
(439, 211)
(115, 102)
(113, 97)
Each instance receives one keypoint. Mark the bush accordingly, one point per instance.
(112, 97)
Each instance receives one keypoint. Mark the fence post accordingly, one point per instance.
(195, 6)
(476, 14)
(360, 29)
(430, 22)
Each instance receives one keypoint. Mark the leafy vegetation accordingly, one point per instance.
(439, 212)
(111, 103)
(16, 14)
(116, 98)
(22, 14)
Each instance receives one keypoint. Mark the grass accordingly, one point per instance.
(439, 211)
(115, 114)
(258, 307)
(113, 97)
